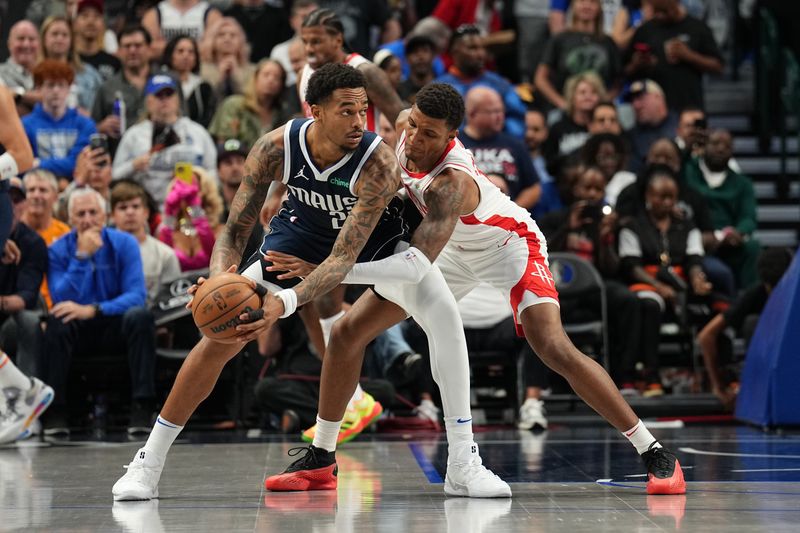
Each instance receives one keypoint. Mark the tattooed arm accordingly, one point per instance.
(380, 92)
(450, 195)
(264, 165)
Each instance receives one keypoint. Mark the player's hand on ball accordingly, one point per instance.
(193, 289)
(257, 322)
(291, 266)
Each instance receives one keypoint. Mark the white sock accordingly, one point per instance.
(640, 437)
(161, 438)
(11, 376)
(327, 325)
(326, 434)
(458, 433)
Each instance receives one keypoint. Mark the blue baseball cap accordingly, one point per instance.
(158, 83)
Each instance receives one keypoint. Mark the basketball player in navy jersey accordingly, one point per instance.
(342, 181)
(25, 398)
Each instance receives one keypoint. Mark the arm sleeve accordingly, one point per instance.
(31, 271)
(409, 266)
(68, 277)
(131, 273)
(64, 166)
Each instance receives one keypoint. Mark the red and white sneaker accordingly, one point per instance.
(664, 474)
(316, 470)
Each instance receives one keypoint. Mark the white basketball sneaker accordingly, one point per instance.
(532, 414)
(140, 482)
(466, 476)
(22, 409)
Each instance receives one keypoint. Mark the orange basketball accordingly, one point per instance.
(218, 303)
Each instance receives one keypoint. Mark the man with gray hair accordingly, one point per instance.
(16, 73)
(98, 290)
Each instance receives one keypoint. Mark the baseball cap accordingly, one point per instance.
(641, 87)
(158, 83)
(231, 147)
(16, 184)
(96, 4)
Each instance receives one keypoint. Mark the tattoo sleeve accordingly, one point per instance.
(381, 93)
(445, 199)
(264, 164)
(379, 181)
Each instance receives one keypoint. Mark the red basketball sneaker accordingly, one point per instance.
(664, 474)
(316, 470)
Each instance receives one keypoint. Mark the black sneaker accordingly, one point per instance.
(142, 415)
(664, 474)
(316, 470)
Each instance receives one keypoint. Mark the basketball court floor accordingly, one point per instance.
(575, 479)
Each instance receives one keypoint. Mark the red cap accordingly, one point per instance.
(83, 4)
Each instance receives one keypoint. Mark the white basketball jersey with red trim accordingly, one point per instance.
(354, 60)
(496, 216)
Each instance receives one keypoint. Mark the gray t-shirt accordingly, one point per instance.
(160, 265)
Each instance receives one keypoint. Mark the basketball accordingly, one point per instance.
(218, 303)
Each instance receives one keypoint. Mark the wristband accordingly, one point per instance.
(289, 299)
(8, 166)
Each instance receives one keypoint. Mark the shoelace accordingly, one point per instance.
(658, 460)
(310, 456)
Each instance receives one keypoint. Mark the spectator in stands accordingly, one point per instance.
(495, 152)
(582, 93)
(489, 326)
(420, 52)
(675, 50)
(93, 170)
(126, 86)
(129, 213)
(660, 252)
(20, 281)
(182, 57)
(360, 17)
(431, 31)
(742, 316)
(57, 133)
(532, 35)
(261, 109)
(653, 120)
(42, 192)
(17, 71)
(170, 18)
(56, 36)
(469, 55)
(628, 19)
(581, 47)
(225, 56)
(608, 152)
(732, 204)
(692, 135)
(191, 217)
(149, 150)
(88, 26)
(565, 171)
(97, 284)
(264, 23)
(388, 62)
(559, 10)
(231, 156)
(280, 52)
(536, 133)
(605, 119)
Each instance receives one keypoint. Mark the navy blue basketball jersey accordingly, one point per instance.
(321, 199)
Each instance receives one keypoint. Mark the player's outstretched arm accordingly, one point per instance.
(381, 93)
(264, 165)
(19, 156)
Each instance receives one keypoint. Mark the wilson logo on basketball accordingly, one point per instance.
(232, 323)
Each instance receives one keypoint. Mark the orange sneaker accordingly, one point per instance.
(366, 411)
(316, 470)
(664, 474)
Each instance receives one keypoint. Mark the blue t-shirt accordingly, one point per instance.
(504, 156)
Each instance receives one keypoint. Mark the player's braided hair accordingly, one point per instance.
(325, 18)
(330, 77)
(440, 100)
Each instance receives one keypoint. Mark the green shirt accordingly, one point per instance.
(731, 204)
(234, 120)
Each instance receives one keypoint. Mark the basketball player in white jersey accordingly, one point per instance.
(477, 234)
(170, 18)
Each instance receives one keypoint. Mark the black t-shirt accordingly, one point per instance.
(565, 138)
(264, 25)
(358, 17)
(106, 64)
(572, 52)
(682, 83)
(750, 302)
(25, 279)
(505, 156)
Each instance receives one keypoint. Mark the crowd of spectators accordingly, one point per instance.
(140, 120)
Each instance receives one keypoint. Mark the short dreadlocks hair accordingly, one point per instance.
(330, 77)
(440, 100)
